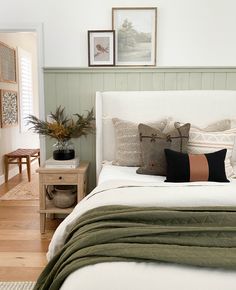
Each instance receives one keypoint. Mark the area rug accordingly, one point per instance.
(17, 285)
(25, 190)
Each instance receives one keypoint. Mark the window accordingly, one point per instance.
(26, 87)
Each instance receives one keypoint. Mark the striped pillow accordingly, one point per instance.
(183, 167)
(201, 142)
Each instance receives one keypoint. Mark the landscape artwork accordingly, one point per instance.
(135, 35)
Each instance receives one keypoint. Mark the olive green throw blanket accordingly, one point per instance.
(201, 237)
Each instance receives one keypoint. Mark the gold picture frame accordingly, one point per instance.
(136, 29)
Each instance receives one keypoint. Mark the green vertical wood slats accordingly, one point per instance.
(220, 80)
(109, 82)
(146, 82)
(231, 81)
(158, 80)
(182, 81)
(195, 81)
(61, 89)
(121, 82)
(207, 81)
(133, 81)
(75, 89)
(73, 100)
(170, 81)
(49, 89)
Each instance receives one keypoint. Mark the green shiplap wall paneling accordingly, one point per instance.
(133, 81)
(195, 81)
(170, 81)
(158, 80)
(182, 81)
(230, 81)
(109, 81)
(220, 80)
(121, 82)
(146, 82)
(208, 81)
(75, 90)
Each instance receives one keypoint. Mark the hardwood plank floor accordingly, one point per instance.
(22, 247)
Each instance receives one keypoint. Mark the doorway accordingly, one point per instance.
(28, 44)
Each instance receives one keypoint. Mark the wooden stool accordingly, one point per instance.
(16, 157)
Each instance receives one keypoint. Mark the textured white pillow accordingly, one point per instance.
(220, 125)
(127, 151)
(206, 142)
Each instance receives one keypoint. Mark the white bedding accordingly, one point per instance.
(119, 185)
(112, 172)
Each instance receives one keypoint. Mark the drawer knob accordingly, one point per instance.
(60, 177)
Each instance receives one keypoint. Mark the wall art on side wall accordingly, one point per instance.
(7, 63)
(135, 35)
(9, 108)
(101, 47)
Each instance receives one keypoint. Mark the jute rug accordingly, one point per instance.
(24, 190)
(17, 285)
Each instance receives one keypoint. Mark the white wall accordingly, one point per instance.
(190, 32)
(11, 138)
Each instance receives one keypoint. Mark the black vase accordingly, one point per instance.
(64, 150)
(64, 154)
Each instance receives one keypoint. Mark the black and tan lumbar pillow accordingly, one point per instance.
(152, 144)
(182, 167)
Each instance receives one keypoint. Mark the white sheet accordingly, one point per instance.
(146, 191)
(112, 172)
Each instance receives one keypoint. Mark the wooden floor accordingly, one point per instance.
(22, 247)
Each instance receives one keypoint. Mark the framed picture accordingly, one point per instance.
(9, 108)
(7, 63)
(135, 36)
(101, 47)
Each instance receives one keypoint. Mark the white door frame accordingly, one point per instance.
(38, 28)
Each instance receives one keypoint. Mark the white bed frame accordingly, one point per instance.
(196, 107)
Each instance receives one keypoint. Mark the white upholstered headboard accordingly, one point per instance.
(196, 107)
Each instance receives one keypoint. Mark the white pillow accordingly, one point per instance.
(220, 125)
(128, 151)
(201, 142)
(227, 126)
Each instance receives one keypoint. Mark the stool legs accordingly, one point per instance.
(6, 168)
(20, 165)
(28, 167)
(39, 158)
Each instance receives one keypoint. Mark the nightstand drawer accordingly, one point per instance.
(57, 178)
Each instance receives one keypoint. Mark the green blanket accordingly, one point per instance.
(200, 237)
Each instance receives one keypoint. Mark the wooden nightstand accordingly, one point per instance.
(54, 176)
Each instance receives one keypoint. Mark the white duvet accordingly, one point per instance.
(122, 186)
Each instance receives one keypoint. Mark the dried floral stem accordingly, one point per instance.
(61, 127)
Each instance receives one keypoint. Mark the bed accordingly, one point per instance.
(121, 186)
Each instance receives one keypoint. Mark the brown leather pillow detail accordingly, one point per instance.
(153, 142)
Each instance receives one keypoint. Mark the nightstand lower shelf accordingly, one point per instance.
(77, 176)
